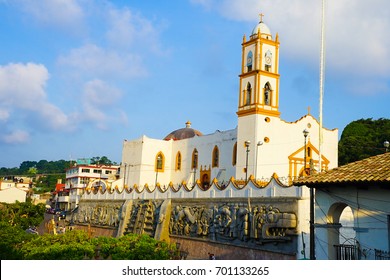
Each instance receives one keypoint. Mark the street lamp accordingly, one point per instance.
(305, 134)
(312, 248)
(195, 165)
(257, 154)
(124, 175)
(386, 144)
(247, 143)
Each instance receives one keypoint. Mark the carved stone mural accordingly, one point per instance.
(233, 221)
(144, 216)
(98, 213)
(269, 224)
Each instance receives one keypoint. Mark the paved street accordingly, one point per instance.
(42, 228)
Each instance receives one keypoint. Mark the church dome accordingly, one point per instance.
(183, 133)
(265, 32)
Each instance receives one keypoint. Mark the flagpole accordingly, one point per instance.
(322, 76)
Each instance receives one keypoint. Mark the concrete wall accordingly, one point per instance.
(199, 249)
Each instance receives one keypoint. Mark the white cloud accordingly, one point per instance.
(128, 42)
(98, 93)
(4, 114)
(94, 61)
(22, 84)
(57, 12)
(126, 28)
(22, 87)
(98, 99)
(206, 4)
(15, 137)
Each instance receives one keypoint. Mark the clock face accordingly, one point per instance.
(268, 60)
(249, 60)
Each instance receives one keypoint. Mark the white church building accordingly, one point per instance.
(238, 183)
(261, 147)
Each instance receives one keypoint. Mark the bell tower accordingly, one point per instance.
(259, 78)
(258, 100)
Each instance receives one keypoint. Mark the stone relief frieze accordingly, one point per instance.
(233, 221)
(98, 213)
(144, 217)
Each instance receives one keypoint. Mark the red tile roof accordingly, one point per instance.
(373, 169)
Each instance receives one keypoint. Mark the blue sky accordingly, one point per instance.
(78, 77)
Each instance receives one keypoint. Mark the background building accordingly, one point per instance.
(84, 175)
(15, 189)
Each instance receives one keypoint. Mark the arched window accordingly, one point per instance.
(178, 161)
(215, 157)
(248, 94)
(249, 61)
(194, 164)
(267, 94)
(159, 163)
(234, 157)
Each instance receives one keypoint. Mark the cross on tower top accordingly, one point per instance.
(261, 17)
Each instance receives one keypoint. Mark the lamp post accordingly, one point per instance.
(257, 154)
(305, 134)
(124, 175)
(195, 165)
(247, 143)
(386, 144)
(312, 246)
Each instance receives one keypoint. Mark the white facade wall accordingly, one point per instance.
(143, 172)
(303, 226)
(284, 139)
(370, 208)
(12, 194)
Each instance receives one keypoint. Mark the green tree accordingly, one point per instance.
(12, 238)
(102, 160)
(25, 166)
(363, 138)
(22, 214)
(139, 247)
(48, 183)
(73, 245)
(32, 171)
(77, 245)
(8, 172)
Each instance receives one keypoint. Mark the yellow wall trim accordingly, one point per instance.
(262, 72)
(259, 111)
